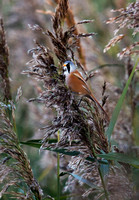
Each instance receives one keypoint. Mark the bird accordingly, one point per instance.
(76, 83)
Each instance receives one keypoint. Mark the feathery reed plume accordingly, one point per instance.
(81, 123)
(127, 18)
(4, 62)
(15, 168)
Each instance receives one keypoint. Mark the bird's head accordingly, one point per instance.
(68, 67)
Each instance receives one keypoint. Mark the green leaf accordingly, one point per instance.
(104, 169)
(79, 178)
(119, 104)
(120, 158)
(37, 144)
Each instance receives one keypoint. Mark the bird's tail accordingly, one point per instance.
(93, 98)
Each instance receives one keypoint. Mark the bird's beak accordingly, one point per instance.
(64, 65)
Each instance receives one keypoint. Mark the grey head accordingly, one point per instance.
(68, 67)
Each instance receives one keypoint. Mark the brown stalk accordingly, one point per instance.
(71, 22)
(4, 63)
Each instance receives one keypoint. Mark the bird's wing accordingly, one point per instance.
(84, 85)
(79, 76)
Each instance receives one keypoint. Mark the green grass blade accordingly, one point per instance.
(36, 144)
(119, 104)
(120, 158)
(79, 178)
(105, 65)
(58, 169)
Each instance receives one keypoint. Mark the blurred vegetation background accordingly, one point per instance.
(17, 16)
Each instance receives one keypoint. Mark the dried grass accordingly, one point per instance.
(18, 170)
(128, 18)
